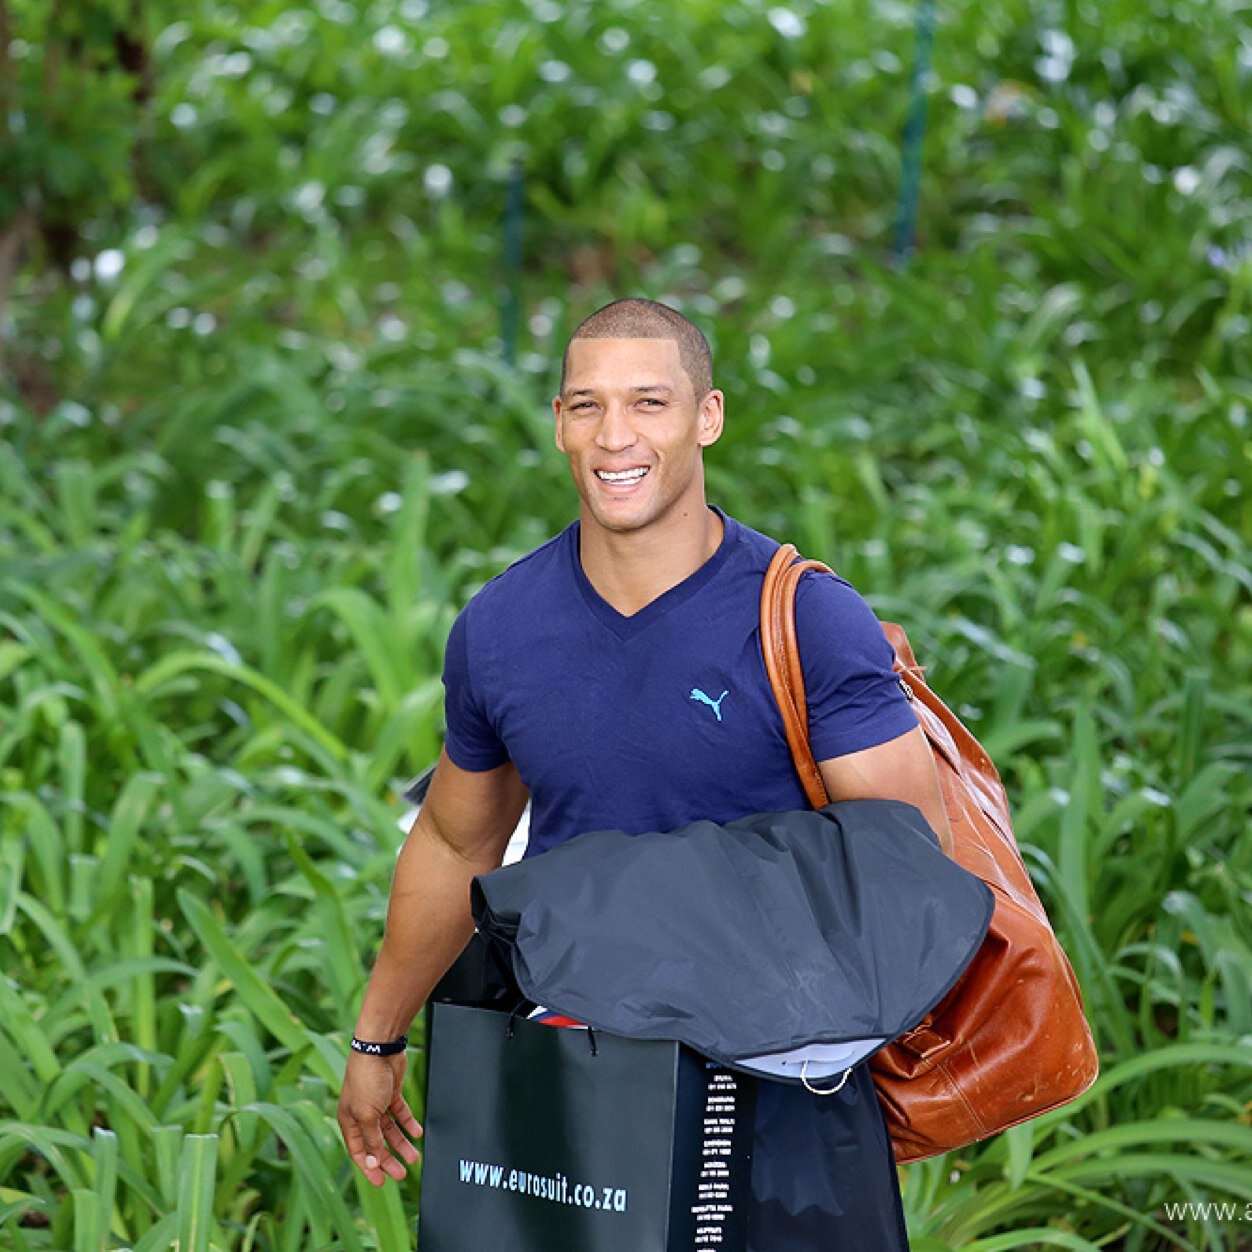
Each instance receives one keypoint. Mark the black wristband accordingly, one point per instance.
(380, 1049)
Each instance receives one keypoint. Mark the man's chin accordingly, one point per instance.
(618, 516)
(619, 523)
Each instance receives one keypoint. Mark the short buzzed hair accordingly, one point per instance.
(648, 319)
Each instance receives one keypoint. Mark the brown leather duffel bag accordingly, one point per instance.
(1010, 1040)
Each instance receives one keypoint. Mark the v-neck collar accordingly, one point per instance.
(625, 626)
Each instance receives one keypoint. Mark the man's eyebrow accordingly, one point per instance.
(637, 390)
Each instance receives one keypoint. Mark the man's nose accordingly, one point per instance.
(616, 433)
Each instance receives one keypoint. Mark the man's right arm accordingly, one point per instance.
(462, 830)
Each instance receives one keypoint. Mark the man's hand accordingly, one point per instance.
(374, 1116)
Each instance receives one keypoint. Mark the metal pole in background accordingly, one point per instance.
(510, 306)
(914, 133)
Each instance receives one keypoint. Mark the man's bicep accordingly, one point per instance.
(473, 811)
(903, 768)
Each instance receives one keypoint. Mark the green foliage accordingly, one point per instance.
(259, 446)
(73, 106)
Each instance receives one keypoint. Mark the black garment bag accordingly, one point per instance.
(767, 937)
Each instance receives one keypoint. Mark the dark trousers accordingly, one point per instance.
(823, 1174)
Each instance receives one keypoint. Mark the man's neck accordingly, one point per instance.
(633, 568)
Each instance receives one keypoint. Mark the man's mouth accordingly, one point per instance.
(622, 477)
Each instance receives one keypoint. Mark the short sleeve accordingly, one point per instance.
(471, 740)
(855, 699)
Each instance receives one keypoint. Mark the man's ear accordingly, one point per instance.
(712, 418)
(556, 424)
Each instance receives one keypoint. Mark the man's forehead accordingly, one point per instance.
(617, 362)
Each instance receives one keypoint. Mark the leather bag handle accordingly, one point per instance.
(782, 662)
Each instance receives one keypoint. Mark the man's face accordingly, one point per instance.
(634, 431)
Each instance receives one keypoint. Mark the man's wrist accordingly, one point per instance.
(379, 1047)
(382, 1024)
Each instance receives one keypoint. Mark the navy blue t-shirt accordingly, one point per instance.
(664, 717)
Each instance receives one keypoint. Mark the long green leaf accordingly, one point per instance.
(133, 805)
(325, 1204)
(150, 682)
(257, 995)
(196, 1172)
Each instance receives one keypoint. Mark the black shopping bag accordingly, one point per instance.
(552, 1139)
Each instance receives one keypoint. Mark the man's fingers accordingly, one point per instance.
(353, 1129)
(404, 1117)
(373, 1132)
(355, 1142)
(368, 1149)
(376, 1161)
(395, 1137)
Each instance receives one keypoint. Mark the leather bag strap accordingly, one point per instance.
(782, 662)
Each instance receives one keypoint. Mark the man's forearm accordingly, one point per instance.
(428, 924)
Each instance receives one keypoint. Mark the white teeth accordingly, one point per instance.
(625, 476)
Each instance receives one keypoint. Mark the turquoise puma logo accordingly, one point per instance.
(715, 705)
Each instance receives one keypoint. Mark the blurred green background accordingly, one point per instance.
(284, 289)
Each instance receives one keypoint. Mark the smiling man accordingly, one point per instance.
(615, 676)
